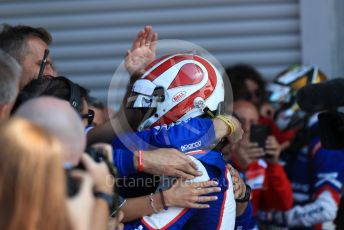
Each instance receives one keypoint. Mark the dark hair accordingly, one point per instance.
(13, 38)
(59, 87)
(239, 73)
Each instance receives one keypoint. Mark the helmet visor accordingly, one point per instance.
(138, 101)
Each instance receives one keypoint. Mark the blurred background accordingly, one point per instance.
(90, 38)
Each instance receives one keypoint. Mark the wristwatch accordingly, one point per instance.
(247, 195)
(108, 198)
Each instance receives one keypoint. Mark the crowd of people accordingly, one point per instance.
(176, 155)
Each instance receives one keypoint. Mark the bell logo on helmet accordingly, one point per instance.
(179, 96)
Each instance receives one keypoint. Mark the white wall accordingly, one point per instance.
(322, 35)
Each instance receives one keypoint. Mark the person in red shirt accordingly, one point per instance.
(271, 189)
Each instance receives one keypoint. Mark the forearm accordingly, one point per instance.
(114, 127)
(132, 212)
(106, 132)
(221, 128)
(100, 217)
(245, 220)
(228, 126)
(323, 209)
(279, 193)
(240, 208)
(125, 162)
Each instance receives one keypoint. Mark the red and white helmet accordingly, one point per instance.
(177, 87)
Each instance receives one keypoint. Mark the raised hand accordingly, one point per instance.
(247, 152)
(142, 51)
(272, 150)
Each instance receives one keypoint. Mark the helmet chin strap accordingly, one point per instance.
(200, 103)
(207, 111)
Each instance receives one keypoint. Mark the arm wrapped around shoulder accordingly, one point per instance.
(227, 125)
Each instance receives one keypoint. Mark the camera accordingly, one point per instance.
(98, 155)
(259, 134)
(326, 98)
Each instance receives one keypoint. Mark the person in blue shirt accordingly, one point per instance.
(174, 105)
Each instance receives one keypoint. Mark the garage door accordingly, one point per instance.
(91, 37)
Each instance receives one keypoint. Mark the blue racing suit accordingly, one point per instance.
(317, 177)
(193, 138)
(316, 192)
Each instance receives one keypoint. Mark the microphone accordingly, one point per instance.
(322, 96)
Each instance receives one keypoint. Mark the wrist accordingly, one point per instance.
(106, 198)
(168, 198)
(242, 196)
(104, 189)
(157, 201)
(101, 203)
(272, 160)
(221, 129)
(247, 195)
(138, 160)
(135, 159)
(140, 167)
(135, 75)
(241, 208)
(229, 123)
(162, 198)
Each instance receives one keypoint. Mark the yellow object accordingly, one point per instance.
(226, 120)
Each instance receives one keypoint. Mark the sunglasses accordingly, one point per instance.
(43, 63)
(89, 116)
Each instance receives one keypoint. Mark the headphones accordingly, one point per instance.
(75, 95)
(37, 87)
